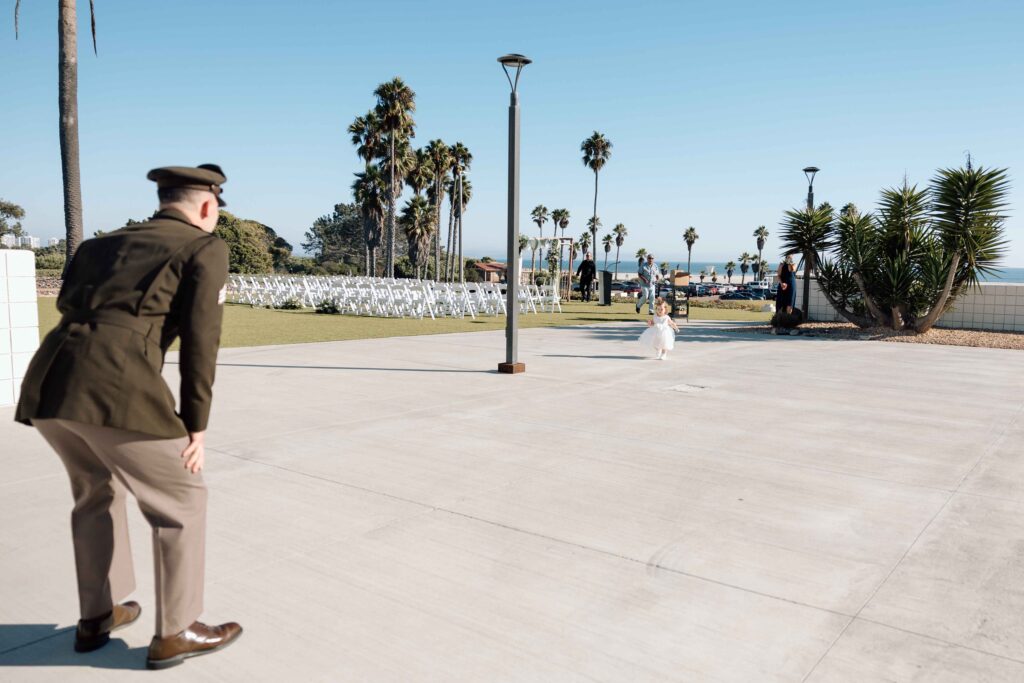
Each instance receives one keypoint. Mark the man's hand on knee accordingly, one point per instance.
(195, 453)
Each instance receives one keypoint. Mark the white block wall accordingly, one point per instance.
(993, 306)
(19, 320)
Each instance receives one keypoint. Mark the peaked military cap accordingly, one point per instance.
(207, 177)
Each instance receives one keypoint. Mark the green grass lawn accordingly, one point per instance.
(246, 326)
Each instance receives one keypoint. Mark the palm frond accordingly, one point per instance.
(92, 18)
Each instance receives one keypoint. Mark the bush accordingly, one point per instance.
(291, 304)
(328, 307)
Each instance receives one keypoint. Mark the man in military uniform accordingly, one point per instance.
(94, 390)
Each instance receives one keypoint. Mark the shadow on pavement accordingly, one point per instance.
(46, 645)
(339, 367)
(573, 355)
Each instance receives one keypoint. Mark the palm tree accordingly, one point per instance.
(690, 236)
(585, 242)
(366, 136)
(807, 232)
(730, 267)
(441, 160)
(563, 219)
(597, 150)
(461, 160)
(67, 104)
(620, 239)
(395, 104)
(459, 188)
(540, 217)
(559, 219)
(607, 242)
(524, 241)
(762, 235)
(418, 223)
(641, 254)
(703, 275)
(422, 172)
(370, 191)
(745, 259)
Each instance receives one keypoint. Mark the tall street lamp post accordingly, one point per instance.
(512, 365)
(809, 172)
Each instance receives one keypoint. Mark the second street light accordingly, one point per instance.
(810, 171)
(512, 63)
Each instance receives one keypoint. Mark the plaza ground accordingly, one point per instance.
(756, 508)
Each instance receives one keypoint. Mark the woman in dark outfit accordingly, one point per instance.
(785, 296)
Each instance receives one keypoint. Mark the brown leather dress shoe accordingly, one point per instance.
(92, 634)
(197, 639)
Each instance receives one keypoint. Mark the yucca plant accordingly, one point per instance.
(807, 232)
(905, 266)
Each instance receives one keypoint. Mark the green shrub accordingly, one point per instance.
(328, 307)
(291, 304)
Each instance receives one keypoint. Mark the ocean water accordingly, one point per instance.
(1015, 275)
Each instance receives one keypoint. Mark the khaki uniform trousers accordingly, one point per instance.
(104, 464)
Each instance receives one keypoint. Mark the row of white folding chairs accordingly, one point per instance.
(388, 297)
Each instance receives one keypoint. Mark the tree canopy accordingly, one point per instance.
(10, 218)
(253, 247)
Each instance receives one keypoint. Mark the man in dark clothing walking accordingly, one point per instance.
(587, 272)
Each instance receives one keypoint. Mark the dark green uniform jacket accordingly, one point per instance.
(126, 297)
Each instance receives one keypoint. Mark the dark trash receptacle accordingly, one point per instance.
(605, 278)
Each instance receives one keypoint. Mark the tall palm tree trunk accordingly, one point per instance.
(68, 108)
(449, 263)
(389, 258)
(593, 229)
(689, 253)
(462, 208)
(617, 247)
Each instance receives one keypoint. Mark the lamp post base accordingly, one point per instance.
(511, 368)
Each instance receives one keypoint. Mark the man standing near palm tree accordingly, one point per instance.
(649, 276)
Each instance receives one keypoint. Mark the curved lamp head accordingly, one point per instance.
(513, 61)
(809, 172)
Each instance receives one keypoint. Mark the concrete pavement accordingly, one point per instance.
(752, 509)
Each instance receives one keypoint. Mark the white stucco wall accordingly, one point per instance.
(19, 320)
(991, 306)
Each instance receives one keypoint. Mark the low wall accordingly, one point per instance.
(992, 306)
(19, 320)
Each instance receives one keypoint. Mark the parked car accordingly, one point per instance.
(628, 287)
(725, 289)
(736, 296)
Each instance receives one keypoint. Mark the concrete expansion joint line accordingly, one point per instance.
(988, 450)
(627, 558)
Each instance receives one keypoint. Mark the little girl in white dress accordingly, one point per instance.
(660, 334)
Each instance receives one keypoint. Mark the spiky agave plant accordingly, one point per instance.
(904, 267)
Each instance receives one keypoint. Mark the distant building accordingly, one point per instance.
(28, 242)
(53, 242)
(491, 271)
(9, 241)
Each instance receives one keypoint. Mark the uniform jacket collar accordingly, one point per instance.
(175, 215)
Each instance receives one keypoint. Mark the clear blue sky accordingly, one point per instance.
(713, 107)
